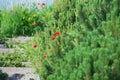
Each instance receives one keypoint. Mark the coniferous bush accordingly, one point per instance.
(89, 38)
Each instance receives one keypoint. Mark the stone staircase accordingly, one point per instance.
(13, 41)
(4, 50)
(18, 73)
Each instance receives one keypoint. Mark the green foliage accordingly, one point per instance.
(89, 37)
(12, 60)
(3, 76)
(19, 21)
(87, 47)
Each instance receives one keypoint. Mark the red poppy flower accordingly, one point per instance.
(34, 24)
(35, 45)
(11, 10)
(44, 56)
(43, 4)
(57, 33)
(38, 3)
(53, 38)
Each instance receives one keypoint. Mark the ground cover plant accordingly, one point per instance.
(79, 40)
(12, 60)
(3, 76)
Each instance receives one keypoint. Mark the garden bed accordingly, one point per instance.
(71, 39)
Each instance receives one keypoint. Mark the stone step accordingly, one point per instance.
(30, 77)
(5, 50)
(2, 45)
(11, 50)
(24, 77)
(19, 73)
(20, 39)
(13, 70)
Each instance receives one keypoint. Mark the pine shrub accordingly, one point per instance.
(90, 41)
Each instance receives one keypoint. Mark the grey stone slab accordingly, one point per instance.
(11, 50)
(30, 76)
(19, 73)
(5, 50)
(24, 77)
(21, 39)
(2, 45)
(15, 70)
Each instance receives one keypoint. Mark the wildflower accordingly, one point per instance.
(35, 45)
(11, 10)
(34, 24)
(44, 56)
(43, 4)
(57, 33)
(38, 3)
(53, 38)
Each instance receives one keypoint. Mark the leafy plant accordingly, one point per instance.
(20, 21)
(3, 76)
(12, 60)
